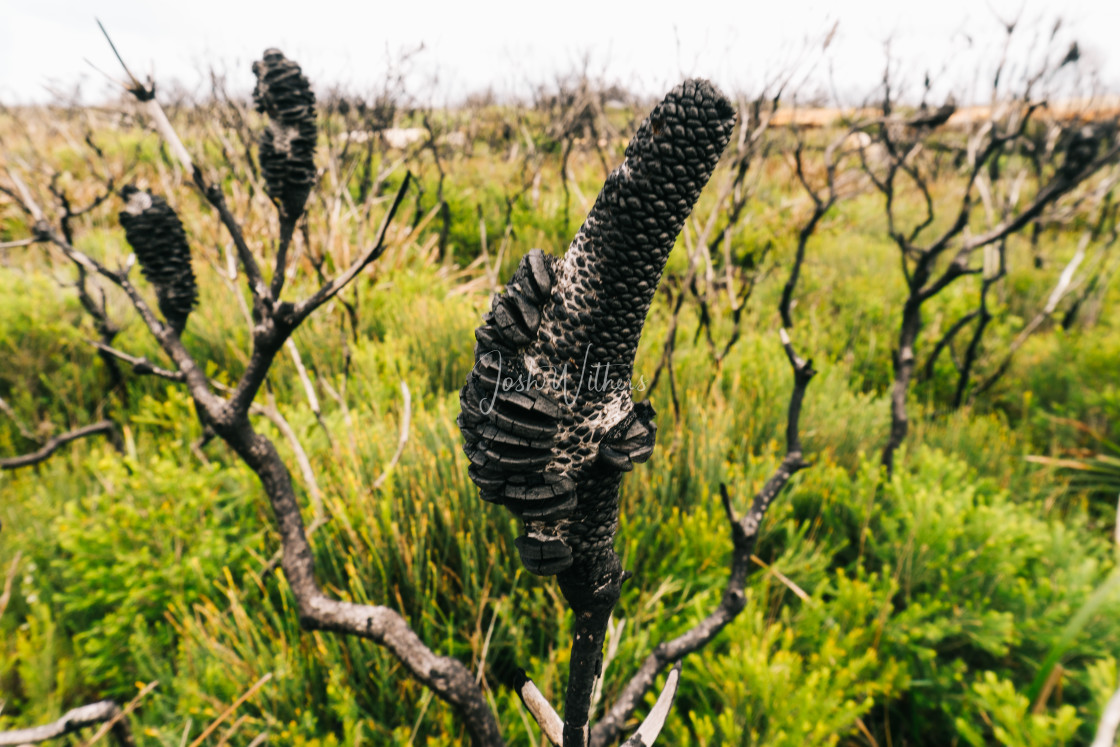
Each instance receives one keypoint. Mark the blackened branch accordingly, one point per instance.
(823, 201)
(141, 366)
(217, 200)
(448, 678)
(330, 289)
(97, 311)
(947, 340)
(54, 444)
(744, 537)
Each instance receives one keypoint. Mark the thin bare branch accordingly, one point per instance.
(542, 711)
(402, 440)
(73, 720)
(25, 199)
(55, 443)
(823, 201)
(145, 95)
(947, 340)
(301, 310)
(744, 536)
(141, 366)
(1059, 292)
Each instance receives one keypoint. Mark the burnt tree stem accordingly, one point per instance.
(451, 681)
(592, 594)
(904, 364)
(279, 273)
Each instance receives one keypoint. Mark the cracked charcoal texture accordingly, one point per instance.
(156, 235)
(548, 421)
(287, 146)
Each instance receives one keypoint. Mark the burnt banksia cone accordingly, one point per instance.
(288, 145)
(156, 235)
(1081, 146)
(548, 421)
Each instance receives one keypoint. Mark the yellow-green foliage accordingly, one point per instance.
(970, 600)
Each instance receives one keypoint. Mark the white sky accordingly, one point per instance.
(470, 46)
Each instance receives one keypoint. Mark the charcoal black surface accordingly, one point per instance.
(156, 235)
(287, 146)
(548, 419)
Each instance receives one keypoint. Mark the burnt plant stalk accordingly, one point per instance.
(548, 420)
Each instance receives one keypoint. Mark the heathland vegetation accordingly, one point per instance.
(944, 570)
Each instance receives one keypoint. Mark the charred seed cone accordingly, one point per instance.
(548, 421)
(156, 235)
(288, 144)
(1081, 147)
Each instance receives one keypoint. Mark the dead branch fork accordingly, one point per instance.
(935, 257)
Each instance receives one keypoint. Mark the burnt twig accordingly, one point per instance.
(55, 443)
(744, 536)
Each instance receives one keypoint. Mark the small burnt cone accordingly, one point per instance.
(1081, 147)
(156, 234)
(288, 144)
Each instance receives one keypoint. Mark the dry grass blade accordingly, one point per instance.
(406, 424)
(786, 580)
(233, 707)
(124, 713)
(6, 596)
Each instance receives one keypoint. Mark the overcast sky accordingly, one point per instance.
(506, 46)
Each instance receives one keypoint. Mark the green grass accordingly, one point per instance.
(934, 609)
